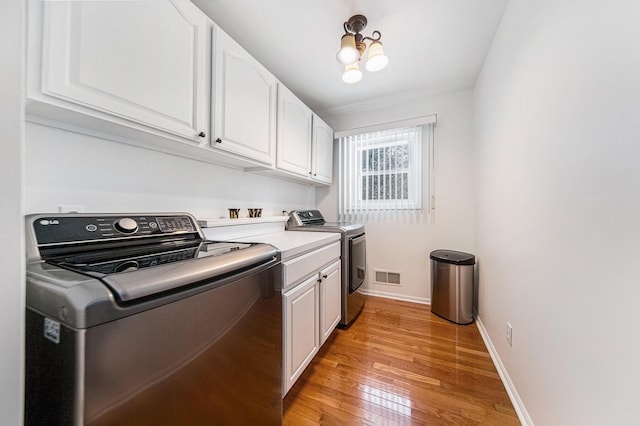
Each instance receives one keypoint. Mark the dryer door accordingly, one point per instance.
(357, 262)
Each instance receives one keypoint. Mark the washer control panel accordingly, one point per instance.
(58, 229)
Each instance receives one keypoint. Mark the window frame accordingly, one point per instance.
(414, 138)
(350, 209)
(413, 200)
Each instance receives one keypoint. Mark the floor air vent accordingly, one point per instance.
(387, 277)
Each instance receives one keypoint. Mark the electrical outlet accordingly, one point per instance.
(509, 334)
(70, 209)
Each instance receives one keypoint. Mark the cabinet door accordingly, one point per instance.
(330, 300)
(245, 102)
(294, 134)
(322, 151)
(301, 329)
(144, 61)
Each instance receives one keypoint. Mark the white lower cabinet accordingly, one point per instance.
(330, 299)
(311, 304)
(301, 325)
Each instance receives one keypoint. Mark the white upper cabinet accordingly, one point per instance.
(322, 166)
(245, 103)
(160, 74)
(294, 134)
(142, 62)
(305, 142)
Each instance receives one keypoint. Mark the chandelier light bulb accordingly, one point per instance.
(352, 73)
(377, 59)
(348, 53)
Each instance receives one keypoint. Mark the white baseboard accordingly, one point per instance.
(518, 405)
(386, 295)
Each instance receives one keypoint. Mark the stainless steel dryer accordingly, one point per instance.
(353, 254)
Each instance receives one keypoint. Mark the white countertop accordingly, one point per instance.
(212, 223)
(292, 244)
(268, 230)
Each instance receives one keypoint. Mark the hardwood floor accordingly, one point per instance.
(400, 364)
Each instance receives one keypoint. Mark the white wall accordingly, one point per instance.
(12, 18)
(404, 245)
(557, 143)
(72, 169)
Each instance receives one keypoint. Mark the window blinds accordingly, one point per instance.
(382, 174)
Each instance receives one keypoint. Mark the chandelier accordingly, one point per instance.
(353, 46)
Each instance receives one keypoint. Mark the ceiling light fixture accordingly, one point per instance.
(353, 46)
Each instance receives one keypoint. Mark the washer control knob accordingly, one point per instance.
(126, 225)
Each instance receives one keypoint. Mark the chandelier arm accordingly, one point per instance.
(346, 30)
(374, 38)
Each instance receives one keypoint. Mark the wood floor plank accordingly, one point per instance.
(400, 364)
(406, 374)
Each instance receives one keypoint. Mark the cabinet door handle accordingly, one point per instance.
(218, 140)
(202, 134)
(324, 276)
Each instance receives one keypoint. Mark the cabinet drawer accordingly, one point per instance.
(296, 269)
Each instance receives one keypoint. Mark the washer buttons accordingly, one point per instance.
(91, 228)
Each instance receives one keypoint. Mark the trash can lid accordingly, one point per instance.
(455, 257)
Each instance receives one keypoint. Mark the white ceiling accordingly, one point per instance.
(433, 45)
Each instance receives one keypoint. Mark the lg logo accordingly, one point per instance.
(49, 222)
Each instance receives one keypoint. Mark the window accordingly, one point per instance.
(382, 171)
(388, 176)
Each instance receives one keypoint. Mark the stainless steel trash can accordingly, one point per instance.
(452, 285)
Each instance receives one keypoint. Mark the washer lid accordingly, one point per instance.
(454, 257)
